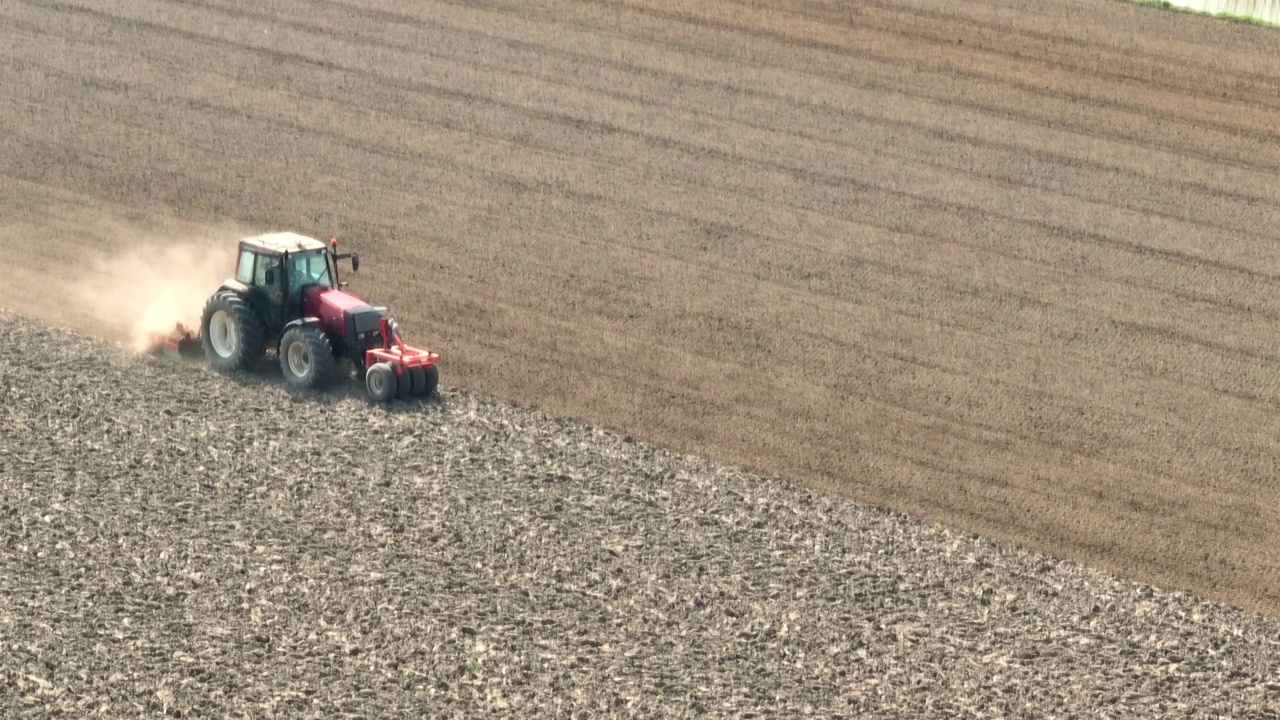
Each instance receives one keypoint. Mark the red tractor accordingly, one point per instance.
(286, 296)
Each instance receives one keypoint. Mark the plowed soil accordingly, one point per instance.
(191, 553)
(1009, 265)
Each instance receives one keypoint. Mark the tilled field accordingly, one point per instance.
(1005, 264)
(179, 542)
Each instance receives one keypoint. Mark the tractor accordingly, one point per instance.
(286, 296)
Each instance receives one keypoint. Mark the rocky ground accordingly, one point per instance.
(177, 542)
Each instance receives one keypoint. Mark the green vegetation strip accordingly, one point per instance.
(1234, 17)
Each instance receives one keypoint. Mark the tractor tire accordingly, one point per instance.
(231, 333)
(433, 381)
(381, 382)
(306, 357)
(419, 378)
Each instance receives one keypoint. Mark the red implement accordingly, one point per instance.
(395, 352)
(180, 343)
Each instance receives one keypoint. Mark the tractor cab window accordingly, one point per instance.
(244, 270)
(310, 268)
(260, 272)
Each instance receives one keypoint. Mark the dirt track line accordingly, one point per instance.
(1211, 345)
(348, 140)
(1248, 89)
(807, 36)
(433, 25)
(996, 178)
(1185, 40)
(1251, 397)
(1171, 215)
(1064, 115)
(631, 69)
(774, 25)
(1137, 178)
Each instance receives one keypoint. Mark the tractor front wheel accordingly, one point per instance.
(306, 357)
(381, 381)
(232, 333)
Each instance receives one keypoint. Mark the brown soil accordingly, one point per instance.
(190, 553)
(1007, 265)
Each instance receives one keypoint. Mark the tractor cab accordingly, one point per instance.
(277, 267)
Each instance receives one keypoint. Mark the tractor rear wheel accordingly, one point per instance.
(381, 381)
(232, 334)
(306, 357)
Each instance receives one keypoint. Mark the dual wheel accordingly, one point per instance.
(384, 384)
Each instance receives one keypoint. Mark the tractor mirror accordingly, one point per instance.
(355, 262)
(271, 276)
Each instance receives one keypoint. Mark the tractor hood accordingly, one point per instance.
(341, 313)
(315, 297)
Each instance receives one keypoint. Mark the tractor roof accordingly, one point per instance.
(282, 242)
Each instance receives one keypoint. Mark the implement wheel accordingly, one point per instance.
(381, 382)
(433, 380)
(405, 386)
(419, 378)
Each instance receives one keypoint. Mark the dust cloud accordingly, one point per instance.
(149, 288)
